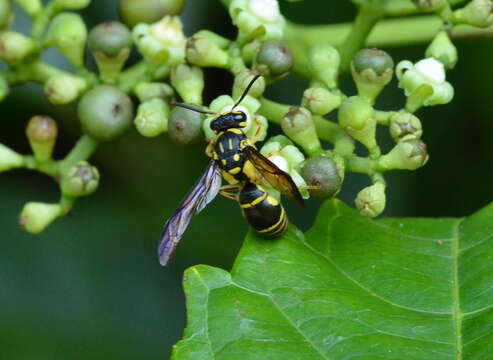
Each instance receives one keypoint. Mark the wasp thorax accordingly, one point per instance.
(237, 119)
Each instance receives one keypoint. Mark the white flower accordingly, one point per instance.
(257, 19)
(427, 72)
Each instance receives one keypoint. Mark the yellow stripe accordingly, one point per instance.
(235, 131)
(254, 202)
(281, 219)
(230, 144)
(235, 170)
(221, 147)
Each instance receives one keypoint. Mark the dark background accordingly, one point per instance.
(90, 286)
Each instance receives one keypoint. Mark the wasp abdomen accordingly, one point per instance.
(263, 212)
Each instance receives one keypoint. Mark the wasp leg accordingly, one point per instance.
(259, 131)
(230, 191)
(209, 150)
(309, 187)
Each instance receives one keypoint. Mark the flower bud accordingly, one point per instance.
(42, 132)
(430, 5)
(36, 216)
(324, 62)
(31, 7)
(443, 50)
(371, 200)
(477, 13)
(326, 173)
(320, 101)
(105, 113)
(404, 125)
(152, 117)
(204, 52)
(80, 180)
(409, 154)
(243, 79)
(4, 87)
(257, 19)
(356, 117)
(9, 159)
(298, 124)
(63, 89)
(68, 33)
(133, 12)
(372, 70)
(185, 126)
(6, 14)
(429, 73)
(73, 4)
(146, 91)
(250, 50)
(14, 47)
(274, 59)
(161, 43)
(188, 82)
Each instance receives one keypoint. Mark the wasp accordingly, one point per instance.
(236, 159)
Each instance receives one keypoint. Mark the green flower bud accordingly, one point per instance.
(110, 44)
(356, 117)
(68, 33)
(185, 126)
(9, 159)
(354, 113)
(109, 38)
(408, 154)
(404, 125)
(4, 87)
(152, 117)
(63, 89)
(14, 47)
(443, 50)
(243, 79)
(275, 143)
(73, 4)
(250, 50)
(326, 172)
(477, 13)
(80, 180)
(161, 43)
(298, 124)
(42, 132)
(6, 14)
(371, 200)
(105, 113)
(324, 62)
(257, 19)
(204, 52)
(372, 70)
(133, 12)
(320, 101)
(146, 91)
(31, 7)
(430, 5)
(188, 82)
(36, 216)
(274, 59)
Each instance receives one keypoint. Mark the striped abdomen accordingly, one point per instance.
(263, 212)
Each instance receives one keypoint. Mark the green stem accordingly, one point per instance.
(133, 75)
(84, 148)
(41, 21)
(48, 167)
(358, 164)
(383, 117)
(35, 70)
(363, 24)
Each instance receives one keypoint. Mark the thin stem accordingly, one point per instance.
(358, 164)
(84, 148)
(133, 75)
(363, 24)
(41, 21)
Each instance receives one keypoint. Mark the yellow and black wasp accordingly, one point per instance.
(236, 159)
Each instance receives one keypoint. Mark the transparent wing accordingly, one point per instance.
(277, 178)
(202, 193)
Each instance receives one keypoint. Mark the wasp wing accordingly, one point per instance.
(202, 193)
(277, 178)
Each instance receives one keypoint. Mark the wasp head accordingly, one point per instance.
(233, 119)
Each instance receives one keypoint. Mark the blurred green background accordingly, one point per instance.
(90, 286)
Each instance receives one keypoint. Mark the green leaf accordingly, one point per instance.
(351, 288)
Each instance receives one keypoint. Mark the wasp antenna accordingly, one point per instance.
(194, 108)
(246, 91)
